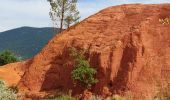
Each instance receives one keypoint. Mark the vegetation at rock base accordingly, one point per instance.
(93, 97)
(7, 57)
(62, 97)
(6, 93)
(163, 93)
(82, 73)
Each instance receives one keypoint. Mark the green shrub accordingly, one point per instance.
(62, 97)
(82, 73)
(6, 93)
(7, 57)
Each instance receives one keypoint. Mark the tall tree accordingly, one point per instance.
(64, 12)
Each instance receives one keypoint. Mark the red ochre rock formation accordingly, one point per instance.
(127, 45)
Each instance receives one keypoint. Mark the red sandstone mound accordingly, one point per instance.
(127, 45)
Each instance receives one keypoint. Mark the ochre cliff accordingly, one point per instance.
(127, 44)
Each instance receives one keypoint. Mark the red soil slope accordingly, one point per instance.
(127, 45)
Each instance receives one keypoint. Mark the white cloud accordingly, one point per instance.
(89, 7)
(17, 13)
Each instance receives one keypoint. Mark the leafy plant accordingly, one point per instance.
(6, 93)
(83, 73)
(7, 57)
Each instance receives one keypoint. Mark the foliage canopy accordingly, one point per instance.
(64, 12)
(7, 57)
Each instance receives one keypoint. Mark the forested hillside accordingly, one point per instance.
(25, 41)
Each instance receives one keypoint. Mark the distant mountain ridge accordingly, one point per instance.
(25, 41)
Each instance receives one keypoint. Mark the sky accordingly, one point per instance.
(35, 13)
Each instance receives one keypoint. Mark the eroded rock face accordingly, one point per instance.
(127, 45)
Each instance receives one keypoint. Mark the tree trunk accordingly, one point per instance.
(54, 31)
(68, 25)
(62, 18)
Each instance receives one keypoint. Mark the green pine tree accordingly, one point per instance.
(64, 12)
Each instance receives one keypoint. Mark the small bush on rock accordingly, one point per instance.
(83, 73)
